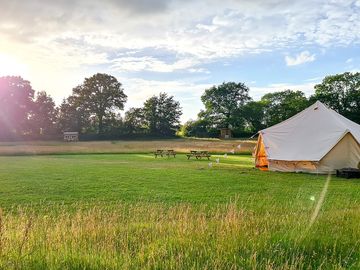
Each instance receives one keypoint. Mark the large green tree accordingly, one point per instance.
(134, 121)
(199, 128)
(224, 104)
(44, 115)
(16, 101)
(341, 92)
(254, 115)
(101, 95)
(73, 116)
(113, 125)
(162, 114)
(279, 106)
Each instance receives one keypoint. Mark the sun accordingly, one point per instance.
(10, 66)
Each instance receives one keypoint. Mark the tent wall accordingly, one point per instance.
(293, 166)
(345, 154)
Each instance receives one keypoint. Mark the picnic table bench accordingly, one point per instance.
(162, 153)
(198, 154)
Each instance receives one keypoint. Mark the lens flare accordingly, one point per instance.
(320, 201)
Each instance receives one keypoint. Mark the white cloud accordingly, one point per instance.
(299, 59)
(61, 42)
(201, 29)
(258, 92)
(210, 28)
(140, 89)
(149, 63)
(348, 61)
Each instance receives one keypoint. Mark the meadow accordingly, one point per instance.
(132, 211)
(123, 146)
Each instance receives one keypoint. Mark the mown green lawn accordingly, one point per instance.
(132, 177)
(133, 211)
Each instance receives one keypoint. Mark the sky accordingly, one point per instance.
(181, 47)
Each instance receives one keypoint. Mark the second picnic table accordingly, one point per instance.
(198, 154)
(162, 153)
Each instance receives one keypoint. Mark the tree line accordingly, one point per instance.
(229, 106)
(94, 109)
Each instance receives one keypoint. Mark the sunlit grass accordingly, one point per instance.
(153, 236)
(133, 211)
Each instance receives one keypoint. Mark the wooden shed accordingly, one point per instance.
(225, 133)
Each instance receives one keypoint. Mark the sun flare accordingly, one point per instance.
(11, 66)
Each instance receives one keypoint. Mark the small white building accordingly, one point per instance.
(71, 136)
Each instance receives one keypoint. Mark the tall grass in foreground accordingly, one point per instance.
(156, 236)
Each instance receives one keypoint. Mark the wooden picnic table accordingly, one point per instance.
(168, 153)
(198, 154)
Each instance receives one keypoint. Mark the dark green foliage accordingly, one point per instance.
(280, 106)
(224, 107)
(134, 121)
(254, 115)
(44, 115)
(224, 104)
(195, 128)
(342, 93)
(229, 105)
(73, 116)
(162, 115)
(113, 125)
(201, 128)
(100, 95)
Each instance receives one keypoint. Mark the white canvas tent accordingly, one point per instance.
(317, 140)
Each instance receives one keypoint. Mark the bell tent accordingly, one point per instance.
(316, 140)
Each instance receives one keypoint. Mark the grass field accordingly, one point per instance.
(132, 211)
